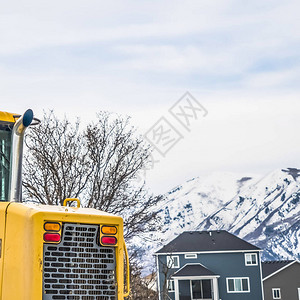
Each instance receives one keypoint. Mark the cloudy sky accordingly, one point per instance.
(239, 60)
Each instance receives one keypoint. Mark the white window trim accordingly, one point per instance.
(276, 289)
(190, 256)
(237, 292)
(173, 285)
(170, 258)
(247, 254)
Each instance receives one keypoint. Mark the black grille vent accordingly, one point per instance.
(78, 268)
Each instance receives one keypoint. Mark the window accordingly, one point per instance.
(190, 256)
(251, 259)
(276, 293)
(173, 262)
(238, 285)
(5, 146)
(171, 285)
(201, 289)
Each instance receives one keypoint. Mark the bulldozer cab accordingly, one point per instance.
(6, 124)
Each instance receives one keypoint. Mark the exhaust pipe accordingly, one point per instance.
(16, 156)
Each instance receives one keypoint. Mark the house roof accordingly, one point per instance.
(201, 241)
(271, 267)
(193, 270)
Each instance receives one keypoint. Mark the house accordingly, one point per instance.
(214, 265)
(281, 280)
(150, 281)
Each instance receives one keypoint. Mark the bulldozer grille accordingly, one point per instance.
(78, 268)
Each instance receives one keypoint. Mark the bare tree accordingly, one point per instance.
(56, 164)
(142, 287)
(166, 268)
(98, 164)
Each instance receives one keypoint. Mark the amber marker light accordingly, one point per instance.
(108, 229)
(51, 226)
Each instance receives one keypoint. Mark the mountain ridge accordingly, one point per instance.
(264, 211)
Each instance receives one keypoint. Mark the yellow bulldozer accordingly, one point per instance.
(53, 252)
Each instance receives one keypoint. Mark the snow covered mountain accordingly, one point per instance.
(188, 204)
(185, 206)
(264, 211)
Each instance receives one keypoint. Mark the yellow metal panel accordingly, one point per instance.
(23, 265)
(3, 208)
(7, 117)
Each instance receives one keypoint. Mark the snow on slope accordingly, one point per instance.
(265, 213)
(188, 204)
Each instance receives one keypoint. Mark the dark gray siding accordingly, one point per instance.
(225, 265)
(164, 274)
(288, 280)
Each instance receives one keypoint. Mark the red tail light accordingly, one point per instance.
(109, 240)
(52, 237)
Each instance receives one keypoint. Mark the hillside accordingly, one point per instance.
(263, 211)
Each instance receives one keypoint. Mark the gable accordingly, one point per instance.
(193, 270)
(271, 268)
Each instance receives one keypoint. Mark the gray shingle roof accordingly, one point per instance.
(198, 241)
(270, 267)
(193, 270)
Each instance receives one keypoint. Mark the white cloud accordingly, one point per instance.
(245, 133)
(272, 78)
(240, 59)
(35, 24)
